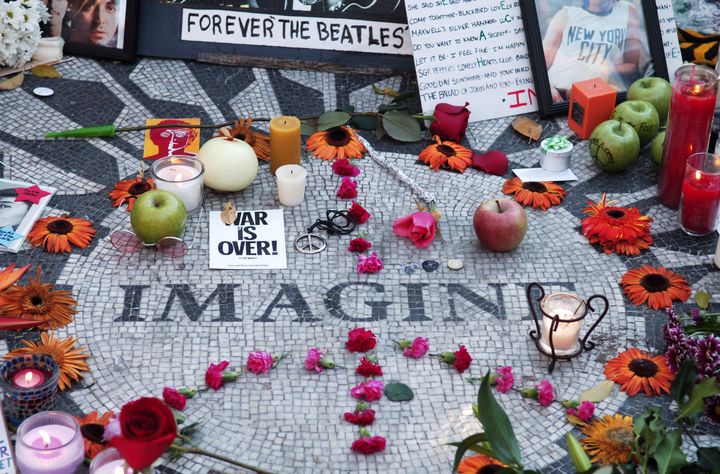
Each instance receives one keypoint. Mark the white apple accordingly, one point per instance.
(500, 224)
(157, 214)
(230, 164)
(655, 90)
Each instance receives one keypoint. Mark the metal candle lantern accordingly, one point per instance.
(21, 402)
(557, 333)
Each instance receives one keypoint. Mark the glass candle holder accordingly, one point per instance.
(700, 195)
(562, 322)
(181, 176)
(691, 113)
(24, 395)
(49, 443)
(109, 461)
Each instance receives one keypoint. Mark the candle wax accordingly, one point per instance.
(688, 132)
(28, 378)
(180, 180)
(700, 201)
(565, 337)
(178, 173)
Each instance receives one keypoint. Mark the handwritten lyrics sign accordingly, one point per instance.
(256, 240)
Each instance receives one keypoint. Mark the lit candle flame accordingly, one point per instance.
(697, 89)
(28, 378)
(698, 175)
(45, 437)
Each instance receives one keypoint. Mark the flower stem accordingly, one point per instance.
(220, 457)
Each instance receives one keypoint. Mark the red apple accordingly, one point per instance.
(500, 224)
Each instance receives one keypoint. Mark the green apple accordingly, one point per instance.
(655, 90)
(641, 115)
(656, 149)
(614, 145)
(157, 214)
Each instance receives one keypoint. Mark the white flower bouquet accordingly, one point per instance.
(20, 30)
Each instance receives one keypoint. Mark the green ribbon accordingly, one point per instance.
(100, 131)
(557, 143)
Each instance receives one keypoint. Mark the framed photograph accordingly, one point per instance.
(618, 41)
(98, 28)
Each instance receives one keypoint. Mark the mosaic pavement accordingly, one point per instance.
(149, 322)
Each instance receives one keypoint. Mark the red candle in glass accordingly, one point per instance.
(28, 378)
(691, 113)
(700, 198)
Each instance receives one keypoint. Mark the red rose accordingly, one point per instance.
(360, 418)
(358, 213)
(369, 445)
(360, 340)
(420, 227)
(368, 368)
(174, 399)
(359, 245)
(462, 359)
(147, 429)
(450, 121)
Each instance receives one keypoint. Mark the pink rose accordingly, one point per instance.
(369, 390)
(343, 167)
(259, 362)
(347, 189)
(584, 411)
(174, 399)
(358, 213)
(546, 393)
(504, 379)
(450, 121)
(420, 227)
(312, 360)
(369, 264)
(418, 348)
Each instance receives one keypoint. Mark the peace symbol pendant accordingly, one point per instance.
(310, 243)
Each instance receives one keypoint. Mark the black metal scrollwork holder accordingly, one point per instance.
(584, 344)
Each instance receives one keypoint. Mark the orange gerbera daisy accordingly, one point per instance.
(37, 301)
(259, 141)
(539, 195)
(8, 276)
(92, 427)
(609, 439)
(658, 287)
(622, 230)
(55, 234)
(129, 190)
(69, 359)
(636, 370)
(337, 142)
(446, 154)
(479, 464)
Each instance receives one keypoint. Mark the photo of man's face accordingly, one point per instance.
(96, 22)
(12, 213)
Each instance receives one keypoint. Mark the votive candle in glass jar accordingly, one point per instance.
(691, 114)
(29, 385)
(49, 442)
(182, 177)
(565, 334)
(700, 197)
(110, 461)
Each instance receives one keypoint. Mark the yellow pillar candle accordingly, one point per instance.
(284, 142)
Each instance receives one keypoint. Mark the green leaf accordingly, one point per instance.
(401, 126)
(479, 448)
(702, 298)
(497, 426)
(308, 127)
(403, 96)
(598, 393)
(579, 458)
(668, 455)
(388, 107)
(364, 122)
(709, 458)
(347, 109)
(332, 119)
(707, 327)
(684, 381)
(398, 392)
(705, 388)
(464, 445)
(379, 131)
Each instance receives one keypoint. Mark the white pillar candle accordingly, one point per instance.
(182, 177)
(291, 182)
(52, 448)
(565, 337)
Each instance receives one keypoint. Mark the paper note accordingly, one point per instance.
(527, 175)
(668, 29)
(256, 240)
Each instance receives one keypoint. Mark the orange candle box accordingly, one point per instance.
(284, 142)
(591, 102)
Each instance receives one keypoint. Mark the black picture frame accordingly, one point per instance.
(539, 67)
(129, 44)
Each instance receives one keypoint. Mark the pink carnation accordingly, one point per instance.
(369, 390)
(504, 380)
(418, 348)
(546, 393)
(369, 264)
(343, 167)
(312, 360)
(347, 189)
(259, 362)
(584, 411)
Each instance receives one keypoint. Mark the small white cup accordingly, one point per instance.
(555, 160)
(49, 50)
